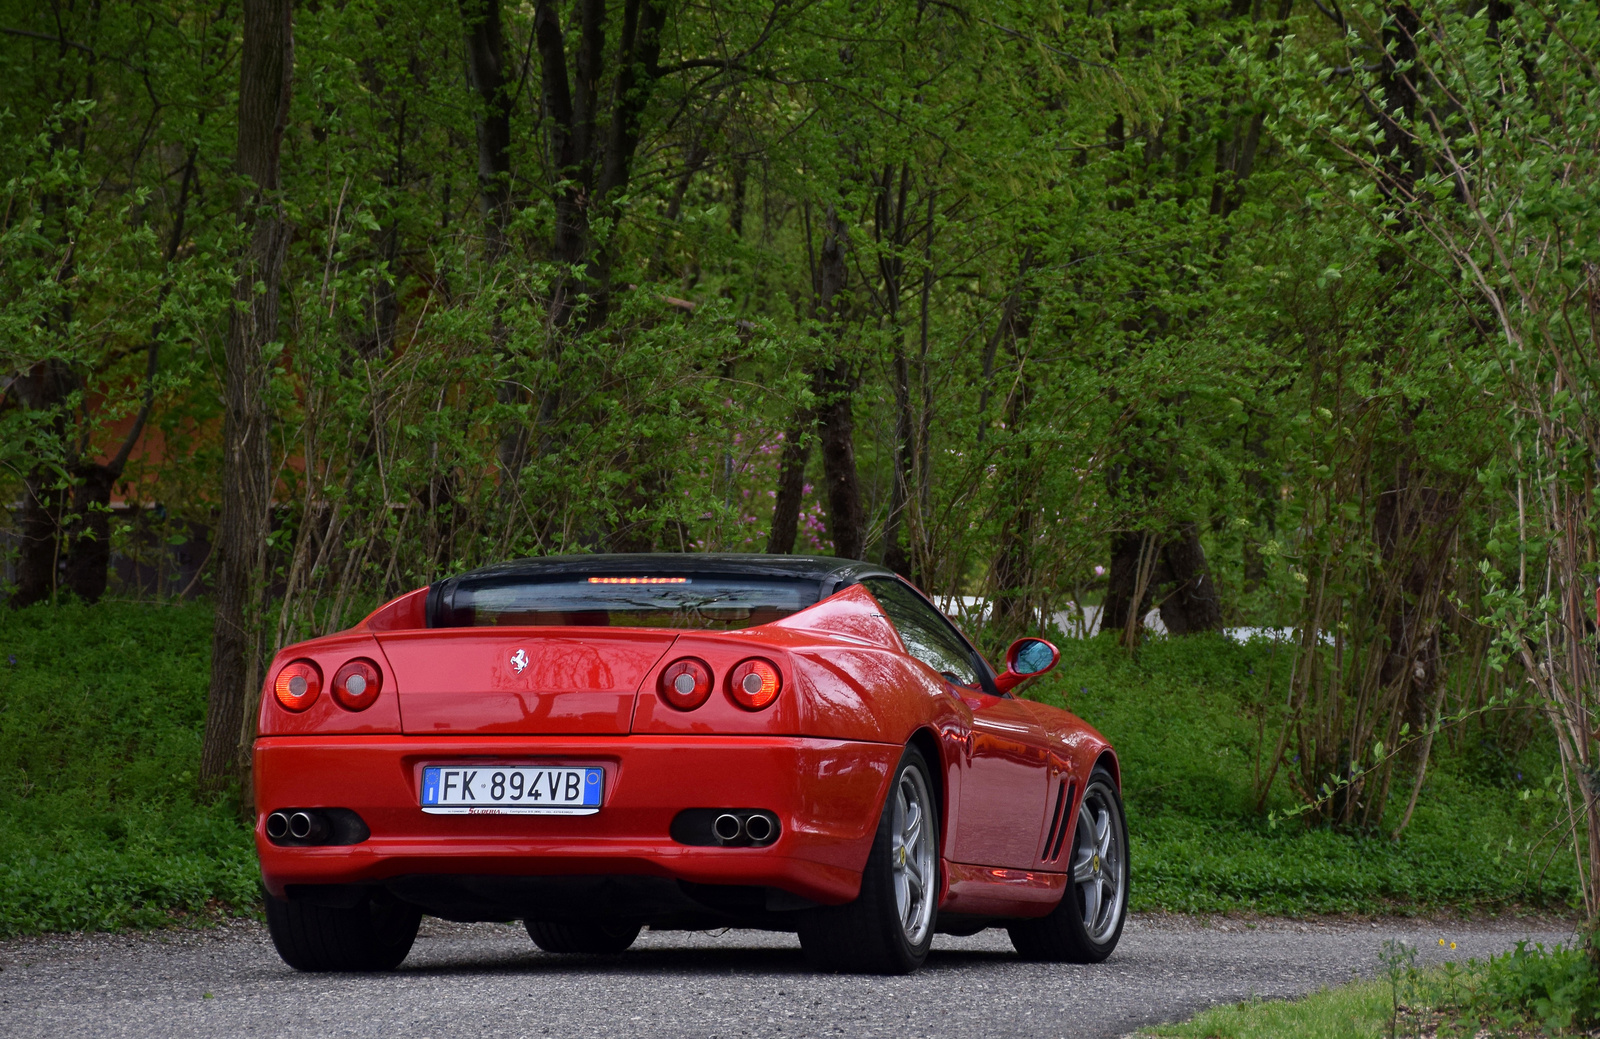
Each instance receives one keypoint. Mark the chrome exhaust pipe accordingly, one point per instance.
(277, 826)
(727, 827)
(759, 828)
(308, 825)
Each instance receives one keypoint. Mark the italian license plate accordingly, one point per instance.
(511, 790)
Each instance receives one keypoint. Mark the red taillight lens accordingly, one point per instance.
(297, 685)
(755, 683)
(686, 683)
(356, 684)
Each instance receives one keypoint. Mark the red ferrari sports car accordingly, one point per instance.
(595, 744)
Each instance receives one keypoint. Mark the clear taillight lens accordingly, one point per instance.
(686, 683)
(755, 683)
(356, 685)
(297, 685)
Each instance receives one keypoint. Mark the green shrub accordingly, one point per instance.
(101, 826)
(1186, 719)
(1557, 988)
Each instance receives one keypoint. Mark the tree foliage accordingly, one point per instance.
(1249, 314)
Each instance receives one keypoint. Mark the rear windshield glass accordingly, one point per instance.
(717, 602)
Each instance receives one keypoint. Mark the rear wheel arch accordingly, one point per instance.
(889, 927)
(928, 743)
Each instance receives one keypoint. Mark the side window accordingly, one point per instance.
(927, 635)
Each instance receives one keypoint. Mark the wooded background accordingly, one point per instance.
(1255, 313)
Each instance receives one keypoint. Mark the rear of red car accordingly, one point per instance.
(602, 740)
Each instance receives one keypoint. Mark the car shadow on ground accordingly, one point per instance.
(685, 962)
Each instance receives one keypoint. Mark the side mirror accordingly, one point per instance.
(1025, 659)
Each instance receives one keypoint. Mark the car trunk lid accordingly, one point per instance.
(520, 681)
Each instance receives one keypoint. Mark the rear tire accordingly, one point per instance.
(593, 939)
(373, 935)
(888, 929)
(1087, 923)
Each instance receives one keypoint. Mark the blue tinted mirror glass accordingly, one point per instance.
(1033, 656)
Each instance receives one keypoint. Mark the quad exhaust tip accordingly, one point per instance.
(758, 828)
(315, 826)
(300, 825)
(728, 827)
(744, 827)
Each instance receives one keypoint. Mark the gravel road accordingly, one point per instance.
(466, 981)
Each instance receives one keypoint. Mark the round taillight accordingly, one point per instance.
(297, 685)
(686, 683)
(356, 684)
(754, 684)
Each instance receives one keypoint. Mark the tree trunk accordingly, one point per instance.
(485, 44)
(791, 483)
(593, 156)
(486, 75)
(895, 554)
(1010, 314)
(1128, 587)
(846, 518)
(894, 230)
(1148, 567)
(1015, 571)
(1190, 602)
(1264, 506)
(1414, 526)
(1013, 567)
(592, 167)
(88, 531)
(266, 69)
(45, 388)
(37, 559)
(1013, 576)
(836, 385)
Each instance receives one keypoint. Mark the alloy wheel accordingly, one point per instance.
(913, 854)
(1099, 863)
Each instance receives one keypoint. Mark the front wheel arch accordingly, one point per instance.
(1064, 935)
(1108, 761)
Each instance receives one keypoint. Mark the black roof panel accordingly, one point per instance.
(830, 573)
(752, 564)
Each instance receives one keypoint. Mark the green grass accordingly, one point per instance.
(1358, 1011)
(1180, 716)
(1524, 991)
(101, 826)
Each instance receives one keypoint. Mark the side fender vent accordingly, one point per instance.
(1058, 823)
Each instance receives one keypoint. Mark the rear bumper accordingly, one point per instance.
(826, 794)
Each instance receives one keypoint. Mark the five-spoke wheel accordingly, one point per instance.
(1098, 857)
(915, 859)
